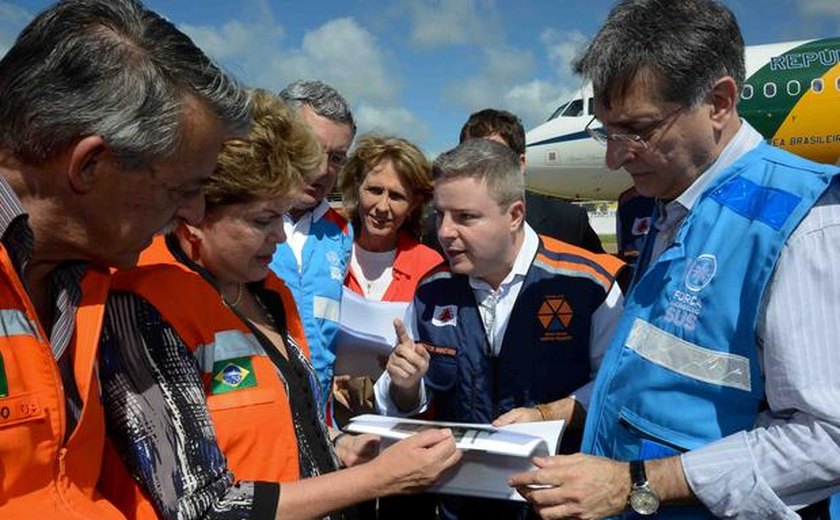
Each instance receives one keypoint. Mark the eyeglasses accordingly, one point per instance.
(336, 159)
(638, 140)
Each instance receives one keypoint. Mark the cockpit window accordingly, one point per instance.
(573, 108)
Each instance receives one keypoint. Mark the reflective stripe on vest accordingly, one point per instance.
(688, 359)
(15, 323)
(228, 344)
(326, 308)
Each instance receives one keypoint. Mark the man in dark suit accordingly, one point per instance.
(548, 215)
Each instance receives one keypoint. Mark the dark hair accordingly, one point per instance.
(110, 68)
(323, 99)
(489, 121)
(681, 47)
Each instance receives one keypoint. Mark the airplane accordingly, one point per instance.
(791, 95)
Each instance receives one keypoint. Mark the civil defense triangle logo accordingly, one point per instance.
(555, 315)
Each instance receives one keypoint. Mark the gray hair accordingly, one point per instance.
(110, 68)
(323, 99)
(484, 160)
(684, 46)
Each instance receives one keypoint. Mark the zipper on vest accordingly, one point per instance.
(62, 406)
(473, 392)
(62, 453)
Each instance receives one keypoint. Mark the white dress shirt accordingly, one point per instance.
(298, 231)
(792, 457)
(374, 270)
(495, 308)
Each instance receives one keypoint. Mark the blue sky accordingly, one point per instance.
(417, 68)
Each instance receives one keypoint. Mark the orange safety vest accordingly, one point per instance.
(412, 262)
(41, 476)
(249, 408)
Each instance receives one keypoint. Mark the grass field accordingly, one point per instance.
(609, 243)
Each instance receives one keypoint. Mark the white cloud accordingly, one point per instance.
(340, 52)
(348, 55)
(820, 8)
(392, 121)
(501, 68)
(509, 80)
(12, 20)
(506, 63)
(438, 23)
(562, 47)
(235, 39)
(534, 101)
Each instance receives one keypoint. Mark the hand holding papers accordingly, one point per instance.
(366, 333)
(491, 455)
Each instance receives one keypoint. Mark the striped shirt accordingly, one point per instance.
(64, 287)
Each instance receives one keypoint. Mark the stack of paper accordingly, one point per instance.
(366, 333)
(491, 454)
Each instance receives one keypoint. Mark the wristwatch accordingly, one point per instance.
(643, 499)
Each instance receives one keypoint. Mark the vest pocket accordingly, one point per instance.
(442, 372)
(639, 438)
(20, 409)
(240, 398)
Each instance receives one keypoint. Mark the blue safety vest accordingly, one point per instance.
(683, 368)
(316, 285)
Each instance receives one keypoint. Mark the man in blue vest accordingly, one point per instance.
(517, 320)
(719, 393)
(314, 258)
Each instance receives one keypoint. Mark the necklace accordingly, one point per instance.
(272, 323)
(238, 299)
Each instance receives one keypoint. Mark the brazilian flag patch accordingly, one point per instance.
(232, 374)
(4, 383)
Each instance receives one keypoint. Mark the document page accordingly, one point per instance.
(366, 333)
(491, 454)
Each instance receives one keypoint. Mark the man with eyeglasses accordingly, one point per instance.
(718, 396)
(314, 258)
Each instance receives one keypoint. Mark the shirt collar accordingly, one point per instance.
(523, 261)
(15, 233)
(10, 206)
(311, 215)
(320, 210)
(744, 140)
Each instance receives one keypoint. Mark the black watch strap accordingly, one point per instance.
(638, 477)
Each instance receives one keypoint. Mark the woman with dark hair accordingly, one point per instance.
(209, 392)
